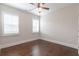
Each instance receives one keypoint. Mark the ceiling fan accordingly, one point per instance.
(41, 5)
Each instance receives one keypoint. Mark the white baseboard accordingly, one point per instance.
(16, 43)
(61, 43)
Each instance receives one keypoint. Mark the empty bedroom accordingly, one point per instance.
(39, 29)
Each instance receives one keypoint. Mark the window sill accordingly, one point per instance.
(9, 35)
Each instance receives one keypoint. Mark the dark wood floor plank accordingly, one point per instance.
(0, 52)
(39, 47)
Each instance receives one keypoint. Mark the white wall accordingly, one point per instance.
(61, 26)
(25, 27)
(78, 30)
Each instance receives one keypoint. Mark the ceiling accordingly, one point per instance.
(33, 9)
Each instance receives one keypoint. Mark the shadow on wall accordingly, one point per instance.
(51, 39)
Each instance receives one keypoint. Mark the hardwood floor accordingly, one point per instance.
(0, 51)
(39, 48)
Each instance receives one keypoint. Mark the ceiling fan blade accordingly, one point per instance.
(32, 3)
(39, 5)
(45, 8)
(35, 4)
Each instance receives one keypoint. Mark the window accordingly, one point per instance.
(10, 24)
(35, 25)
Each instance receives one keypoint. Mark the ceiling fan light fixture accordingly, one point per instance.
(40, 10)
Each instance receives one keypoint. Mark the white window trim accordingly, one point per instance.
(10, 34)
